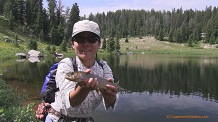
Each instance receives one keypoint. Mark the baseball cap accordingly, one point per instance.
(85, 25)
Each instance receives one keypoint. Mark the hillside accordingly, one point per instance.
(142, 45)
(8, 48)
(149, 44)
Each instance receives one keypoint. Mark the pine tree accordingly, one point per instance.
(52, 9)
(117, 44)
(46, 27)
(110, 45)
(48, 48)
(126, 40)
(39, 21)
(63, 46)
(41, 35)
(11, 19)
(2, 2)
(74, 17)
(8, 8)
(161, 36)
(170, 35)
(185, 32)
(212, 38)
(209, 29)
(177, 35)
(53, 49)
(28, 12)
(104, 44)
(16, 41)
(20, 11)
(32, 45)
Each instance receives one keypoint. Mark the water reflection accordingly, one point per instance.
(160, 85)
(167, 74)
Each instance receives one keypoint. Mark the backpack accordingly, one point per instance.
(49, 87)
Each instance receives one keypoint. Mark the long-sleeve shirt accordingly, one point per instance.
(86, 108)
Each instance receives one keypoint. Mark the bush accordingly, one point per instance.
(33, 45)
(11, 109)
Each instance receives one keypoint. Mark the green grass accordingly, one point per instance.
(149, 45)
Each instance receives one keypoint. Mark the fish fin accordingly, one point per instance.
(116, 84)
(97, 90)
(79, 84)
(86, 73)
(76, 86)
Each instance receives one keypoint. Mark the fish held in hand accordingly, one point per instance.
(80, 76)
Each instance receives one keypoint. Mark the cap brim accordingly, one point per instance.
(74, 34)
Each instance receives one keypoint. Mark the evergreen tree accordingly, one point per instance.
(53, 49)
(171, 35)
(39, 21)
(91, 17)
(209, 29)
(48, 48)
(2, 3)
(28, 12)
(63, 46)
(8, 8)
(126, 40)
(161, 36)
(41, 35)
(185, 32)
(16, 41)
(117, 44)
(104, 44)
(32, 45)
(177, 35)
(190, 43)
(212, 38)
(52, 9)
(216, 40)
(74, 17)
(196, 34)
(11, 19)
(46, 27)
(110, 45)
(157, 30)
(20, 11)
(215, 21)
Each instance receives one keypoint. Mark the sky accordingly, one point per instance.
(99, 6)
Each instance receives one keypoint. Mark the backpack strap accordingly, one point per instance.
(101, 64)
(73, 60)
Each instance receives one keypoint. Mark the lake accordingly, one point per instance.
(163, 88)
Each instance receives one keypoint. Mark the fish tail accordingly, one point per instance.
(118, 86)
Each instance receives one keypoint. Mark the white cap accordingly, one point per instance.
(85, 25)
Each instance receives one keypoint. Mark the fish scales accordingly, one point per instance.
(78, 76)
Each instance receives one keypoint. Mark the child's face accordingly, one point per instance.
(86, 45)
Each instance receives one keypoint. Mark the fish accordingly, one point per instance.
(79, 76)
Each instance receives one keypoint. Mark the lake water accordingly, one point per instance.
(163, 88)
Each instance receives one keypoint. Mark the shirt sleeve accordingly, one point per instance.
(113, 106)
(107, 72)
(65, 86)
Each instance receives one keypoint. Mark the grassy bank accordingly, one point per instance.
(149, 45)
(11, 109)
(144, 45)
